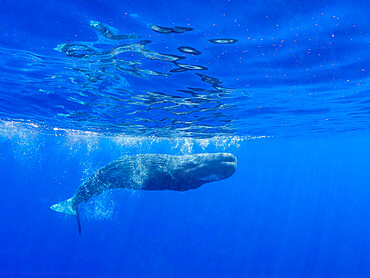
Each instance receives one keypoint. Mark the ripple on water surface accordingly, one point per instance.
(139, 84)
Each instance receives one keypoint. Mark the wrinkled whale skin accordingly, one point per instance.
(152, 172)
(156, 172)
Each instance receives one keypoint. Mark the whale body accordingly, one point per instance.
(151, 172)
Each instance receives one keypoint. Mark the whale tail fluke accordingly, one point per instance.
(68, 207)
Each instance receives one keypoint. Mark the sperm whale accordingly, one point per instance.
(151, 172)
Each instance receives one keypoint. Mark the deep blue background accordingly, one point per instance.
(297, 206)
(294, 208)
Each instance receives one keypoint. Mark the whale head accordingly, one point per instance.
(199, 169)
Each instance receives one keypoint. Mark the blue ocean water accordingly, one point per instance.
(284, 86)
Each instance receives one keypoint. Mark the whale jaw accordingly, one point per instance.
(211, 178)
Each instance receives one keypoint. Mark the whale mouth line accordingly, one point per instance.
(212, 178)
